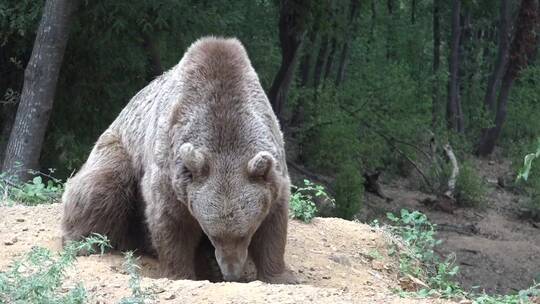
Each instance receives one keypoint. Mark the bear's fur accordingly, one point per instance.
(197, 153)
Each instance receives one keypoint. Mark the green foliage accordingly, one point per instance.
(522, 297)
(38, 276)
(139, 295)
(414, 245)
(301, 205)
(470, 188)
(349, 191)
(31, 193)
(415, 248)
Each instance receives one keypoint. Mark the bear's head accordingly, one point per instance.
(229, 195)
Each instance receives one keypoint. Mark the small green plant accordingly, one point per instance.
(301, 204)
(138, 294)
(414, 246)
(31, 193)
(414, 243)
(38, 276)
(470, 188)
(522, 297)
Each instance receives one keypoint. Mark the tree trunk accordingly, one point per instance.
(307, 59)
(151, 47)
(373, 22)
(330, 60)
(291, 35)
(390, 28)
(502, 56)
(436, 61)
(413, 11)
(455, 120)
(40, 78)
(321, 61)
(523, 47)
(344, 54)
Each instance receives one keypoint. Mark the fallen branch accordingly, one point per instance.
(455, 171)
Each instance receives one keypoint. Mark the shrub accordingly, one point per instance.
(349, 190)
(470, 188)
(301, 205)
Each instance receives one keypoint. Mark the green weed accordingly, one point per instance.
(38, 276)
(301, 205)
(31, 193)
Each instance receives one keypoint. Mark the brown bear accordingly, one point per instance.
(196, 153)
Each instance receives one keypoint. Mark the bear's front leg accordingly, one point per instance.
(267, 248)
(175, 233)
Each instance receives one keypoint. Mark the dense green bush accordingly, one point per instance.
(349, 191)
(470, 187)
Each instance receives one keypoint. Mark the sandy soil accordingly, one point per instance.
(336, 261)
(497, 251)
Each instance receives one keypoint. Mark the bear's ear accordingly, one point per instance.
(261, 164)
(194, 160)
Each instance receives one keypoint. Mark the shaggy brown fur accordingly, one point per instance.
(197, 152)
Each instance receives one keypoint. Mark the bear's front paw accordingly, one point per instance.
(286, 277)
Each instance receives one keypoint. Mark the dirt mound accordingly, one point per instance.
(336, 261)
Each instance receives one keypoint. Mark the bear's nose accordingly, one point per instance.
(231, 277)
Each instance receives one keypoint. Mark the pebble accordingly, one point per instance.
(11, 242)
(170, 297)
(20, 220)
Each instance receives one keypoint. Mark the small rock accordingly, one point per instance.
(326, 277)
(170, 297)
(300, 271)
(20, 220)
(25, 229)
(491, 162)
(311, 269)
(13, 241)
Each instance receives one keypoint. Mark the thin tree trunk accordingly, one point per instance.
(40, 78)
(455, 121)
(330, 59)
(436, 61)
(373, 21)
(390, 28)
(151, 47)
(291, 35)
(502, 56)
(523, 47)
(413, 11)
(344, 55)
(321, 61)
(307, 59)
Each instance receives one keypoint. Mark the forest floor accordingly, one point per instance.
(336, 261)
(497, 250)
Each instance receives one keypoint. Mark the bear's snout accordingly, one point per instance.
(231, 263)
